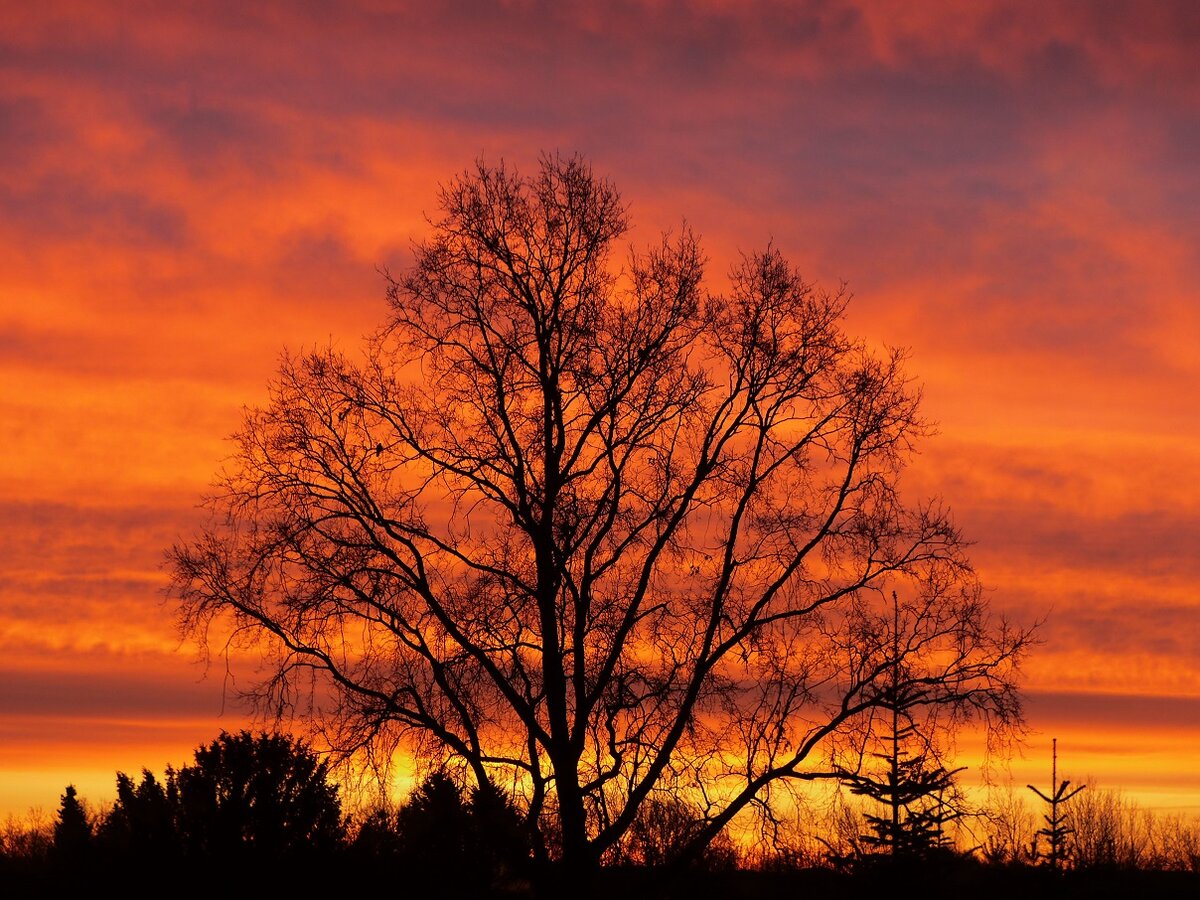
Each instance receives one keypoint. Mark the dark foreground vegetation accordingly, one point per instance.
(258, 814)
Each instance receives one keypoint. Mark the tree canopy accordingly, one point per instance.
(591, 527)
(264, 796)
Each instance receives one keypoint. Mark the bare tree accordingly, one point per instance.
(589, 528)
(1008, 828)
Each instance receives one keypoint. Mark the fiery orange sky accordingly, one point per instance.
(1010, 190)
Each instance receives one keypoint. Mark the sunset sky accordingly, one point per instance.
(1011, 190)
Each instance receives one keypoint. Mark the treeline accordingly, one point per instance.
(259, 811)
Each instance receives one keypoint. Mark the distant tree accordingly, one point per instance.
(437, 829)
(1108, 832)
(1057, 831)
(590, 526)
(1179, 837)
(445, 842)
(257, 795)
(375, 839)
(665, 828)
(73, 830)
(27, 841)
(1008, 828)
(142, 821)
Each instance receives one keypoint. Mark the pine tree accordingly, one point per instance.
(72, 831)
(1056, 831)
(916, 791)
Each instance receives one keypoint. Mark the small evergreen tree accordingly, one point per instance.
(918, 796)
(1057, 833)
(504, 844)
(376, 840)
(916, 791)
(73, 830)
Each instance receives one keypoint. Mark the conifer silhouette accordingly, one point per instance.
(72, 831)
(916, 791)
(1056, 831)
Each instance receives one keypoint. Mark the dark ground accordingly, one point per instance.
(968, 881)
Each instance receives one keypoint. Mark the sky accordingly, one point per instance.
(1009, 190)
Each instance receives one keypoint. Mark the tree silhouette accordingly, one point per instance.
(446, 844)
(142, 821)
(437, 830)
(664, 830)
(72, 830)
(919, 796)
(264, 796)
(917, 792)
(1056, 832)
(587, 526)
